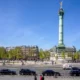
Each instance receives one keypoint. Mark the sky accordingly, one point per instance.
(36, 22)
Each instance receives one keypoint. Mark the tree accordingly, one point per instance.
(11, 54)
(2, 53)
(76, 56)
(41, 54)
(63, 55)
(69, 54)
(46, 54)
(18, 53)
(78, 53)
(14, 53)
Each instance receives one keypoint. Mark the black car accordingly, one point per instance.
(74, 68)
(7, 72)
(27, 72)
(75, 71)
(50, 73)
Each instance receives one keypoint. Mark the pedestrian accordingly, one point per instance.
(35, 78)
(40, 77)
(55, 75)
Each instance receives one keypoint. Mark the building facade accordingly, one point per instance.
(28, 52)
(31, 52)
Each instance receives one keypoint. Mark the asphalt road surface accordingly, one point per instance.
(38, 69)
(38, 78)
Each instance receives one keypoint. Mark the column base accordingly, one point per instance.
(60, 48)
(61, 45)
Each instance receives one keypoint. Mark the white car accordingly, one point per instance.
(67, 66)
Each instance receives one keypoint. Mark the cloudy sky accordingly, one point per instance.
(35, 22)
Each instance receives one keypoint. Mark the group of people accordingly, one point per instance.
(41, 77)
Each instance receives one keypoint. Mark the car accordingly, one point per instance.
(74, 68)
(50, 73)
(74, 71)
(27, 72)
(7, 72)
(67, 66)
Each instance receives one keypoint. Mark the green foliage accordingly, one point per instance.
(2, 53)
(63, 55)
(70, 55)
(76, 56)
(10, 54)
(14, 53)
(41, 54)
(44, 54)
(47, 54)
(18, 53)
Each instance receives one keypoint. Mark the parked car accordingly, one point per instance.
(7, 72)
(74, 68)
(67, 66)
(50, 73)
(27, 72)
(75, 72)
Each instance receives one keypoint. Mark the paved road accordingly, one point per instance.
(38, 69)
(32, 78)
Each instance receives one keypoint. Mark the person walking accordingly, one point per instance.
(55, 75)
(40, 77)
(35, 78)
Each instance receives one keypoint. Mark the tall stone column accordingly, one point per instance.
(61, 15)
